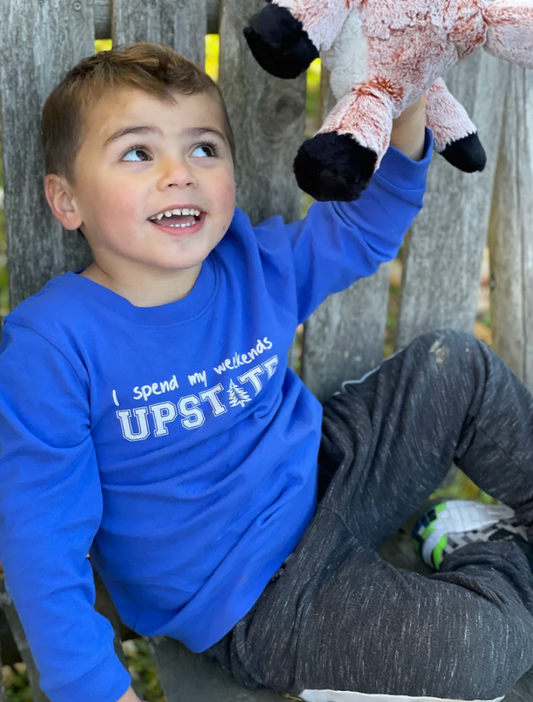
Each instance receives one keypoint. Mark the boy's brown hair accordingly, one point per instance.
(153, 68)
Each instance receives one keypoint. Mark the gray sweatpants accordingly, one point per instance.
(338, 617)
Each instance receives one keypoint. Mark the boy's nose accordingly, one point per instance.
(177, 172)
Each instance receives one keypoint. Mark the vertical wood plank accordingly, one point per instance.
(511, 232)
(445, 246)
(105, 606)
(3, 695)
(176, 23)
(344, 338)
(36, 49)
(523, 690)
(268, 117)
(19, 636)
(103, 12)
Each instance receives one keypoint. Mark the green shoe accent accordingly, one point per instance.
(438, 555)
(449, 526)
(428, 530)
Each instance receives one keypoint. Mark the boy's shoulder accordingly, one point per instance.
(49, 328)
(243, 231)
(56, 306)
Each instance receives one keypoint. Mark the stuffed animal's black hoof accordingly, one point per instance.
(466, 154)
(334, 166)
(279, 43)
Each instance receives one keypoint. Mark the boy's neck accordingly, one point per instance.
(147, 290)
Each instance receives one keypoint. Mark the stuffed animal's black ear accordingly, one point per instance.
(279, 43)
(466, 154)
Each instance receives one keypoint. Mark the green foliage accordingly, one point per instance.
(212, 47)
(312, 101)
(102, 45)
(142, 671)
(484, 318)
(463, 488)
(16, 683)
(140, 666)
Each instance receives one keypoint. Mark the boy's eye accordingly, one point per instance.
(136, 154)
(204, 150)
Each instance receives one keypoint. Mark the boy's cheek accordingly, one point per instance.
(228, 194)
(225, 223)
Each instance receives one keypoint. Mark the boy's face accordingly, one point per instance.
(141, 157)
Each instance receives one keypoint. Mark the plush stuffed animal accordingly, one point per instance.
(383, 54)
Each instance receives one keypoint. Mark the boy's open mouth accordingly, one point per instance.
(177, 218)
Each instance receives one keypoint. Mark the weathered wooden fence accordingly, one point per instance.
(41, 39)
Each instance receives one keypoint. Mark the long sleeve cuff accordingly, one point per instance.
(399, 170)
(107, 682)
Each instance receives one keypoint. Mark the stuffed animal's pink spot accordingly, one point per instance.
(468, 34)
(383, 85)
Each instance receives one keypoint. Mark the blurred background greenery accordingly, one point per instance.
(138, 657)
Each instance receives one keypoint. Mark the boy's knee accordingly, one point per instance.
(447, 347)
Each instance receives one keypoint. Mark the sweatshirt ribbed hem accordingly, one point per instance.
(402, 172)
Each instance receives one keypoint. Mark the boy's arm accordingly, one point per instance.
(339, 242)
(408, 130)
(50, 510)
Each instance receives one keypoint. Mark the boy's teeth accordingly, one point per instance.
(186, 211)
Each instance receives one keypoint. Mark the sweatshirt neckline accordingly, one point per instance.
(177, 312)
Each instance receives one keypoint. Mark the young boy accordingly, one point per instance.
(147, 414)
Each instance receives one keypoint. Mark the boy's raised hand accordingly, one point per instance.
(408, 130)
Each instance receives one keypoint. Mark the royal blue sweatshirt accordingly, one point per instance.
(172, 442)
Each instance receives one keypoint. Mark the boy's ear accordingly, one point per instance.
(61, 200)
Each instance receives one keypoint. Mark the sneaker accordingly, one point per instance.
(448, 526)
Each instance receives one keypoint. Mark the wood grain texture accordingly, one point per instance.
(189, 677)
(39, 41)
(176, 23)
(10, 653)
(105, 606)
(344, 338)
(523, 690)
(268, 117)
(3, 694)
(103, 12)
(22, 643)
(445, 245)
(511, 232)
